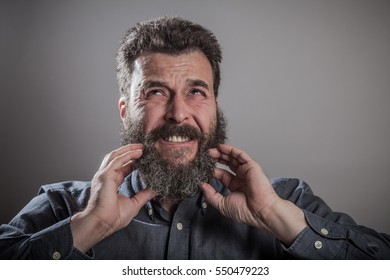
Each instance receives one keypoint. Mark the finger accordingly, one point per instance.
(131, 206)
(232, 163)
(124, 161)
(142, 197)
(234, 153)
(224, 176)
(128, 167)
(226, 158)
(109, 157)
(212, 197)
(120, 151)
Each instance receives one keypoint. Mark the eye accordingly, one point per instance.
(196, 91)
(154, 92)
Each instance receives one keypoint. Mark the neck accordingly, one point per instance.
(170, 207)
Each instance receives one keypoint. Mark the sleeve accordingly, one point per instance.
(41, 230)
(330, 235)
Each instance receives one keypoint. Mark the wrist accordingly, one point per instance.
(284, 219)
(87, 231)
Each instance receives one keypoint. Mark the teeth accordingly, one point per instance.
(177, 139)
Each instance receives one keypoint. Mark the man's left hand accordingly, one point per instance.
(253, 200)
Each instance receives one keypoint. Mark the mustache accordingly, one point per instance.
(134, 132)
(170, 129)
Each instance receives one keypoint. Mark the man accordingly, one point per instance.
(160, 195)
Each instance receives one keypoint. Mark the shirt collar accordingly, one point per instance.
(133, 184)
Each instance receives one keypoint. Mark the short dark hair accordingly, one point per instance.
(171, 35)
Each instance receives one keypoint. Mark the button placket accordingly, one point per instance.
(179, 237)
(179, 226)
(56, 255)
(318, 245)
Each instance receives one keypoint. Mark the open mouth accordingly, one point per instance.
(177, 139)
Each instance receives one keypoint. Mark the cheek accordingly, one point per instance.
(153, 117)
(206, 119)
(136, 109)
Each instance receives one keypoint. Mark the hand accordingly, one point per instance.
(253, 200)
(107, 211)
(251, 190)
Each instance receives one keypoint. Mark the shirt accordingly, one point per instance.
(195, 231)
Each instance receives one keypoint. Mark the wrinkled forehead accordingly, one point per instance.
(165, 67)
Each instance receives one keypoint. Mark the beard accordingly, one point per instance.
(166, 172)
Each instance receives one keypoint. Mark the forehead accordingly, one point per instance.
(165, 66)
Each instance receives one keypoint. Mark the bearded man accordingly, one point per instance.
(161, 195)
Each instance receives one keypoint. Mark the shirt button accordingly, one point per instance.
(56, 255)
(324, 231)
(179, 226)
(318, 244)
(204, 205)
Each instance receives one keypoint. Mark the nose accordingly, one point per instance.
(178, 110)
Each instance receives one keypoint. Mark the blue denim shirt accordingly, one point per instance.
(195, 231)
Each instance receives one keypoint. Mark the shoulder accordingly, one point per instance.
(54, 202)
(71, 195)
(287, 188)
(291, 188)
(66, 186)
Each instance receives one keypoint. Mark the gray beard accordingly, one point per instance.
(174, 182)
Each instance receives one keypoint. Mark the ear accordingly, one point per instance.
(122, 106)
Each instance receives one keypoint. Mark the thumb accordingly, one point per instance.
(141, 198)
(212, 197)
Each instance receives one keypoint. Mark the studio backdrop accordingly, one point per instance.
(305, 88)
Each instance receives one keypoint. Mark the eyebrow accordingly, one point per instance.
(150, 84)
(190, 82)
(197, 83)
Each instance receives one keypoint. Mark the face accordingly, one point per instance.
(173, 112)
(172, 89)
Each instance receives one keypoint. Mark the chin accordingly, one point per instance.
(180, 162)
(178, 157)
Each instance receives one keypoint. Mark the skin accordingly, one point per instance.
(179, 89)
(175, 89)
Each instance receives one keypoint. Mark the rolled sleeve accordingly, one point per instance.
(322, 239)
(42, 230)
(325, 239)
(45, 244)
(54, 242)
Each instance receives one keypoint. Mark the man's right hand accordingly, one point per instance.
(107, 211)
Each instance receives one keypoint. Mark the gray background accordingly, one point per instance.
(305, 85)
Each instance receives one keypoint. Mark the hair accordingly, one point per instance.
(170, 35)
